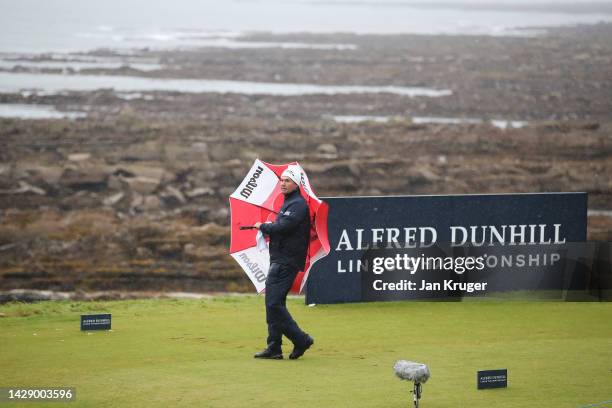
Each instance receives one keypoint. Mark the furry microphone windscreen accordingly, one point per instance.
(411, 371)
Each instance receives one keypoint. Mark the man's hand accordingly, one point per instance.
(257, 225)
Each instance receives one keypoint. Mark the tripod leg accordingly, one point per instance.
(417, 394)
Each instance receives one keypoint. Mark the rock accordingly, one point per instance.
(195, 253)
(82, 199)
(25, 188)
(149, 172)
(113, 199)
(59, 247)
(137, 201)
(224, 151)
(221, 216)
(202, 214)
(142, 203)
(249, 155)
(142, 252)
(151, 203)
(590, 126)
(208, 235)
(115, 183)
(86, 178)
(31, 295)
(226, 191)
(49, 174)
(200, 191)
(199, 146)
(582, 57)
(148, 151)
(7, 182)
(338, 169)
(79, 157)
(142, 185)
(234, 163)
(567, 126)
(7, 247)
(176, 154)
(327, 151)
(201, 176)
(237, 173)
(170, 249)
(354, 169)
(199, 214)
(422, 175)
(173, 197)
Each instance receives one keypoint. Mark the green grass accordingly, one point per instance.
(166, 353)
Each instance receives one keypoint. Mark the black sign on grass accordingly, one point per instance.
(492, 379)
(96, 322)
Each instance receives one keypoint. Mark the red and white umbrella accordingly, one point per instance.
(259, 199)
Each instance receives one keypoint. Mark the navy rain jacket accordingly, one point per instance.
(290, 232)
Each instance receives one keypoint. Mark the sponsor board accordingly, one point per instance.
(96, 322)
(449, 247)
(492, 379)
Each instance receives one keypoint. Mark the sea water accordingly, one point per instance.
(34, 26)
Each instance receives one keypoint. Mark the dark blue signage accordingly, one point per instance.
(492, 379)
(448, 247)
(96, 322)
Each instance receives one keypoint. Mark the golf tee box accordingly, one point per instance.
(96, 322)
(492, 379)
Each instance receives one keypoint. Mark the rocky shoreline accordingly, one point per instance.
(134, 196)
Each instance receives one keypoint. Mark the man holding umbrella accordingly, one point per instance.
(289, 239)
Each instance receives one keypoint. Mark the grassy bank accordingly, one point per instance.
(199, 353)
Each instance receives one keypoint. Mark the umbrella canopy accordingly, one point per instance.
(259, 198)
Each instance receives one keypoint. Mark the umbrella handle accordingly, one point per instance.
(248, 227)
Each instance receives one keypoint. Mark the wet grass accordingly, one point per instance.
(199, 353)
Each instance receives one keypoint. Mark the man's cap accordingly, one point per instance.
(294, 173)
